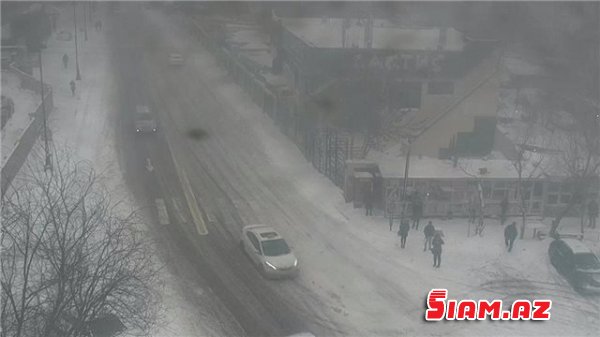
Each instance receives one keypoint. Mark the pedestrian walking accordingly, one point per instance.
(503, 210)
(592, 213)
(472, 212)
(417, 210)
(510, 234)
(436, 249)
(428, 231)
(403, 231)
(72, 84)
(368, 202)
(65, 60)
(98, 26)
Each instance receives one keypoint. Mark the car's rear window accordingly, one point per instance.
(587, 261)
(275, 247)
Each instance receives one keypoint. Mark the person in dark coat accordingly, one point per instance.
(503, 210)
(592, 213)
(428, 231)
(417, 213)
(472, 213)
(436, 249)
(65, 60)
(403, 231)
(72, 84)
(417, 210)
(368, 202)
(510, 234)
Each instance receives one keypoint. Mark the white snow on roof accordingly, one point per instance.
(519, 66)
(327, 33)
(427, 167)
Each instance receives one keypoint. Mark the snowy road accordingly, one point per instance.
(241, 170)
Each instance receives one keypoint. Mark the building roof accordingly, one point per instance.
(433, 168)
(327, 33)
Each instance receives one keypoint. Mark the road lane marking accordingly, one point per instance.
(149, 166)
(179, 211)
(161, 208)
(190, 198)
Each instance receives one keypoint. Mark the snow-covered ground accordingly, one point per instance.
(25, 102)
(365, 284)
(84, 123)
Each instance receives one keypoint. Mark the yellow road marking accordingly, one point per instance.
(190, 198)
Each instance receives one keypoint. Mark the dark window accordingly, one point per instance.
(275, 247)
(565, 198)
(440, 88)
(587, 261)
(254, 240)
(404, 95)
(537, 189)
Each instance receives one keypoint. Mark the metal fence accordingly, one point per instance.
(326, 148)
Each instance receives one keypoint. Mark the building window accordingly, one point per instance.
(558, 193)
(440, 88)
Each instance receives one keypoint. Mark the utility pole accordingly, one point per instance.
(78, 77)
(406, 166)
(48, 163)
(84, 23)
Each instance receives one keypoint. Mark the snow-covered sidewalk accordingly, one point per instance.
(25, 104)
(85, 124)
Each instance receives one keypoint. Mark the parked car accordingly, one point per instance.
(268, 251)
(577, 263)
(144, 120)
(175, 59)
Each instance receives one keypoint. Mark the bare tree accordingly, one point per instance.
(70, 256)
(580, 162)
(480, 204)
(526, 163)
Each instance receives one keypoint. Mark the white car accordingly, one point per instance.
(175, 59)
(268, 251)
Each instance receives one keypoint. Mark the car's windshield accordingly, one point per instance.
(144, 116)
(587, 261)
(275, 247)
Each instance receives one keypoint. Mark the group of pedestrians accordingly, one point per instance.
(65, 60)
(433, 240)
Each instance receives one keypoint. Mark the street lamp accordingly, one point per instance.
(84, 23)
(406, 166)
(48, 163)
(78, 77)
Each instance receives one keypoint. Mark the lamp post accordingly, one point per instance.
(406, 166)
(78, 77)
(48, 163)
(84, 23)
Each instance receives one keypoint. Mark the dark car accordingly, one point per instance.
(144, 120)
(577, 263)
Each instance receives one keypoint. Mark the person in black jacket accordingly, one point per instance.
(403, 231)
(592, 213)
(510, 234)
(436, 249)
(429, 230)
